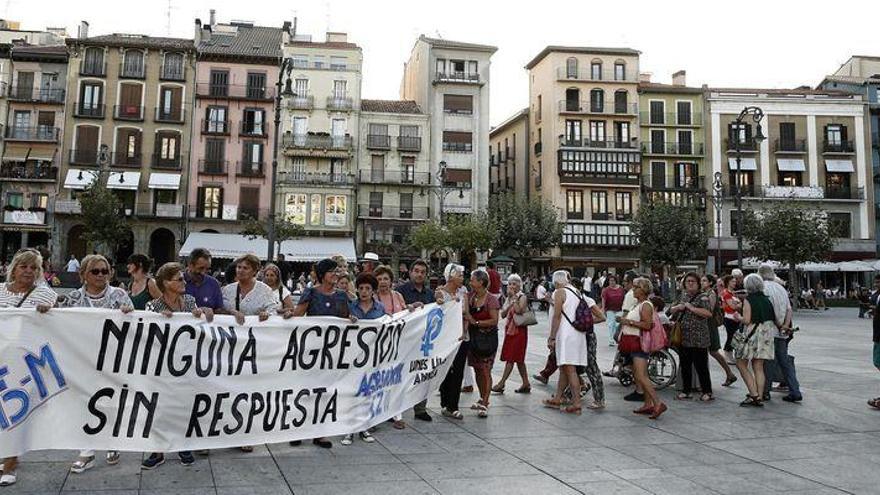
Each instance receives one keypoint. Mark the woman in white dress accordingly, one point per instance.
(570, 345)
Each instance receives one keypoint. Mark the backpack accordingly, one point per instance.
(583, 315)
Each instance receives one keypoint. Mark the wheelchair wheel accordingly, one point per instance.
(625, 377)
(662, 368)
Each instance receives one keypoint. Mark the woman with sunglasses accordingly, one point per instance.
(96, 292)
(21, 290)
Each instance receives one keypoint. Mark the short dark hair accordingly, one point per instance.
(690, 275)
(727, 278)
(630, 275)
(490, 264)
(199, 253)
(143, 262)
(420, 262)
(711, 278)
(366, 278)
(657, 302)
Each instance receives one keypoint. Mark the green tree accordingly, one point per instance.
(105, 226)
(670, 234)
(285, 230)
(528, 228)
(429, 237)
(789, 233)
(469, 233)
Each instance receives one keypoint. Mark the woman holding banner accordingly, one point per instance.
(393, 302)
(272, 278)
(21, 291)
(450, 389)
(96, 292)
(174, 299)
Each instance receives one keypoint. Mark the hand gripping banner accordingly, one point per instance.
(99, 379)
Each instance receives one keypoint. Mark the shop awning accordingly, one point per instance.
(78, 179)
(747, 163)
(20, 153)
(124, 180)
(304, 249)
(839, 166)
(791, 165)
(164, 181)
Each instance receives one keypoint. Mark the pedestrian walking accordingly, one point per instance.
(569, 344)
(875, 304)
(732, 307)
(640, 318)
(692, 313)
(516, 337)
(612, 304)
(782, 313)
(754, 342)
(708, 284)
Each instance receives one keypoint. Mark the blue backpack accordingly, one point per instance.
(583, 315)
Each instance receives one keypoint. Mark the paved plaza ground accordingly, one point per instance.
(828, 444)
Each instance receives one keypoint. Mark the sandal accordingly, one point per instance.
(552, 403)
(8, 479)
(451, 414)
(706, 398)
(730, 381)
(498, 390)
(644, 410)
(483, 411)
(399, 424)
(658, 410)
(751, 401)
(82, 465)
(247, 448)
(596, 405)
(572, 410)
(875, 403)
(525, 389)
(112, 457)
(683, 396)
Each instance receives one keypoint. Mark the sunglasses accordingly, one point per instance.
(99, 271)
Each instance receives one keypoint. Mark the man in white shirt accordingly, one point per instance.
(72, 265)
(782, 310)
(587, 282)
(542, 296)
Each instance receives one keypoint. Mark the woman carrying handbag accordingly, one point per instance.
(516, 338)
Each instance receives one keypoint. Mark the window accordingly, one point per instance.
(623, 200)
(301, 87)
(572, 100)
(834, 134)
(790, 179)
(619, 71)
(658, 141)
(458, 104)
(378, 130)
(334, 211)
(740, 133)
(597, 131)
(840, 225)
(210, 202)
(597, 100)
(472, 68)
(571, 68)
(441, 66)
(746, 182)
(15, 200)
(130, 101)
(219, 85)
(734, 222)
(340, 89)
(315, 210)
(686, 176)
(256, 85)
(376, 200)
(458, 141)
(39, 201)
(596, 71)
(837, 185)
(249, 201)
(685, 143)
(90, 99)
(408, 169)
(167, 145)
(621, 131)
(540, 108)
(406, 205)
(300, 61)
(300, 126)
(163, 197)
(173, 67)
(215, 155)
(252, 158)
(318, 62)
(295, 208)
(253, 122)
(133, 64)
(658, 175)
(338, 63)
(377, 168)
(216, 120)
(620, 101)
(599, 205)
(787, 137)
(573, 132)
(93, 62)
(574, 205)
(538, 174)
(657, 111)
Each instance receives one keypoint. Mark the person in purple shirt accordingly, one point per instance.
(203, 287)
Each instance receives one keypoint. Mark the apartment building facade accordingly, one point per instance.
(320, 138)
(816, 152)
(127, 124)
(394, 178)
(673, 142)
(861, 75)
(509, 164)
(35, 101)
(584, 148)
(450, 82)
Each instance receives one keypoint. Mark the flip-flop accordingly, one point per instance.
(730, 381)
(683, 396)
(875, 403)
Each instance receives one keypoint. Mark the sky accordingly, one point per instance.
(741, 43)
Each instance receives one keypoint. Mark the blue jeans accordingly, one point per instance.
(786, 366)
(611, 320)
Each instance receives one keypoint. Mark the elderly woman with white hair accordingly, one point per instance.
(450, 389)
(754, 341)
(516, 337)
(21, 290)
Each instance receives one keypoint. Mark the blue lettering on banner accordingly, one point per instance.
(380, 379)
(433, 328)
(17, 403)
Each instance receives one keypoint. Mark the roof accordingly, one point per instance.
(522, 114)
(591, 50)
(441, 43)
(338, 45)
(55, 52)
(134, 41)
(782, 91)
(853, 79)
(244, 41)
(390, 106)
(667, 88)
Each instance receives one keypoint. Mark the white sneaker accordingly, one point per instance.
(82, 465)
(367, 437)
(346, 440)
(8, 479)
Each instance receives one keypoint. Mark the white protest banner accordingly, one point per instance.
(98, 379)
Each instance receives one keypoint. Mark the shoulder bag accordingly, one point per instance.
(526, 319)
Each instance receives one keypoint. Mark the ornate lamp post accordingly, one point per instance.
(286, 69)
(756, 114)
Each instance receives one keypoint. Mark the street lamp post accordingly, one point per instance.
(717, 202)
(756, 114)
(441, 190)
(286, 69)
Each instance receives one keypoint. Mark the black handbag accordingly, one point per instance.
(484, 343)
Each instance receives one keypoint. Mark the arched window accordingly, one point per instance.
(619, 70)
(93, 62)
(597, 100)
(133, 64)
(172, 68)
(596, 69)
(620, 101)
(572, 99)
(571, 68)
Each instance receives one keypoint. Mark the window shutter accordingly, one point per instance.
(843, 133)
(731, 132)
(200, 202)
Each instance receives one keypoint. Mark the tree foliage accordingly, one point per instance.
(105, 226)
(284, 230)
(527, 227)
(669, 234)
(460, 233)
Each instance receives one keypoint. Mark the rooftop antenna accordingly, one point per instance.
(439, 36)
(168, 20)
(327, 13)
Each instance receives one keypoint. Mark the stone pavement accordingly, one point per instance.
(827, 444)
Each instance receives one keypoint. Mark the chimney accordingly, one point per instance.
(337, 37)
(198, 36)
(212, 18)
(644, 77)
(679, 79)
(83, 31)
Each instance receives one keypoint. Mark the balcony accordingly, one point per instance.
(93, 68)
(598, 235)
(792, 192)
(250, 169)
(36, 134)
(749, 145)
(598, 108)
(401, 177)
(128, 112)
(538, 148)
(335, 179)
(317, 142)
(378, 142)
(683, 192)
(409, 143)
(215, 127)
(128, 160)
(457, 77)
(172, 72)
(88, 110)
(844, 147)
(170, 116)
(32, 94)
(339, 103)
(599, 173)
(677, 149)
(790, 146)
(252, 129)
(301, 102)
(166, 162)
(159, 210)
(601, 144)
(586, 74)
(393, 212)
(234, 92)
(857, 193)
(28, 172)
(83, 157)
(132, 71)
(458, 147)
(25, 217)
(212, 166)
(672, 119)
